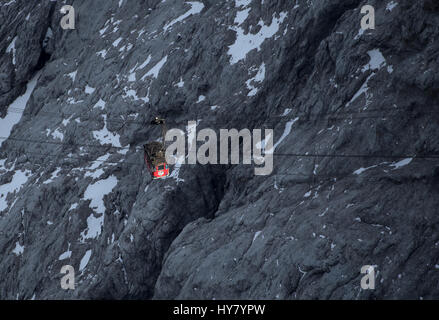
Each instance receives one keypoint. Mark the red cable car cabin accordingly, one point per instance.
(155, 160)
(160, 171)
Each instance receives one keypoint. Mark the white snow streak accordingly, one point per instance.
(11, 49)
(66, 255)
(100, 104)
(401, 163)
(89, 90)
(72, 75)
(376, 63)
(241, 16)
(12, 118)
(247, 42)
(18, 250)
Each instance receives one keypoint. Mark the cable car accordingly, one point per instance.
(154, 154)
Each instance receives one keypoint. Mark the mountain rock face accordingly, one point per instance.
(355, 181)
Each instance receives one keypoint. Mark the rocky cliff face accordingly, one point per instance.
(355, 119)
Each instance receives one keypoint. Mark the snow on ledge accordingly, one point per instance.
(196, 8)
(247, 42)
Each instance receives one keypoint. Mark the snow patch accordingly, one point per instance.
(132, 75)
(102, 53)
(242, 3)
(154, 72)
(363, 89)
(257, 233)
(144, 64)
(9, 3)
(98, 162)
(53, 176)
(95, 174)
(100, 104)
(247, 42)
(66, 255)
(130, 93)
(11, 49)
(241, 16)
(106, 137)
(65, 122)
(377, 61)
(96, 193)
(180, 84)
(18, 180)
(401, 163)
(258, 78)
(391, 5)
(361, 170)
(285, 134)
(176, 171)
(72, 75)
(117, 42)
(360, 33)
(18, 250)
(89, 90)
(57, 134)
